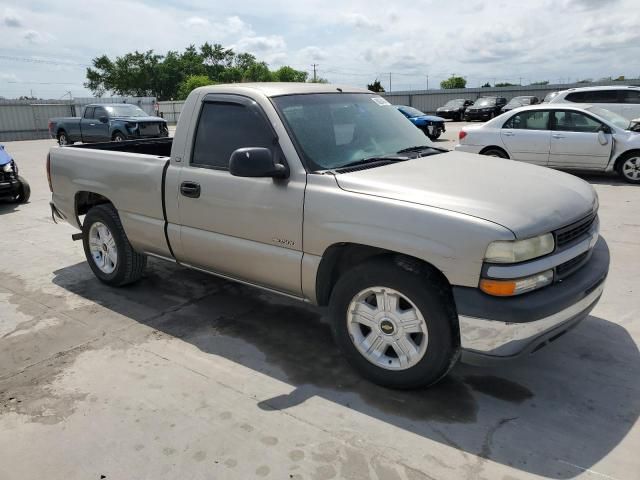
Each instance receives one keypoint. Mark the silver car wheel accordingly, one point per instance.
(62, 139)
(103, 248)
(631, 168)
(387, 328)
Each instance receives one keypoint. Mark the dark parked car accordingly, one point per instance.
(485, 108)
(431, 125)
(454, 109)
(106, 122)
(516, 102)
(549, 96)
(13, 187)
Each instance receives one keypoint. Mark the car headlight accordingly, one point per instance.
(8, 168)
(514, 251)
(507, 288)
(132, 126)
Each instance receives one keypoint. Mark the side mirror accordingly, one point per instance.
(103, 119)
(602, 137)
(255, 162)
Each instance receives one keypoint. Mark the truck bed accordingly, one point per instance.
(159, 147)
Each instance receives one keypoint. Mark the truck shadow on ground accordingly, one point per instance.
(554, 414)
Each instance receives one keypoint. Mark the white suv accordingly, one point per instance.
(623, 100)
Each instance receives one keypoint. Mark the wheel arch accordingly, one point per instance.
(340, 257)
(620, 158)
(85, 201)
(116, 131)
(494, 147)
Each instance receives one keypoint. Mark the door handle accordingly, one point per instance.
(92, 124)
(190, 189)
(508, 134)
(557, 135)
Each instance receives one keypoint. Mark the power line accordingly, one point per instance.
(43, 61)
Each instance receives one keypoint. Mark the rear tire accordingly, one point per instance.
(629, 167)
(25, 191)
(410, 342)
(63, 139)
(106, 246)
(118, 137)
(495, 152)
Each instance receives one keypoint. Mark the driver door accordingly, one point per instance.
(246, 228)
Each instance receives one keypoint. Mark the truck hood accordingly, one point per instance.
(527, 199)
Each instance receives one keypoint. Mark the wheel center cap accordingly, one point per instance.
(387, 327)
(104, 247)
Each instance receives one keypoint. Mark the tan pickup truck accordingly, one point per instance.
(330, 195)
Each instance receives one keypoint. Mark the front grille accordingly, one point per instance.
(568, 234)
(567, 268)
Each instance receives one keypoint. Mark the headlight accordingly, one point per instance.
(8, 168)
(132, 126)
(514, 251)
(507, 288)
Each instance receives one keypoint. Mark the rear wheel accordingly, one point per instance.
(63, 138)
(118, 137)
(629, 167)
(109, 253)
(395, 326)
(495, 152)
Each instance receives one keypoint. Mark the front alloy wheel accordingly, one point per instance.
(630, 169)
(387, 328)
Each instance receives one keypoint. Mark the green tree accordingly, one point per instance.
(505, 84)
(453, 82)
(486, 85)
(376, 86)
(288, 74)
(318, 80)
(191, 83)
(541, 82)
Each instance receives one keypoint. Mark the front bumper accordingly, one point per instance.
(498, 328)
(477, 115)
(9, 186)
(450, 114)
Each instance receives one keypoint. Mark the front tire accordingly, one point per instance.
(25, 191)
(629, 167)
(109, 253)
(394, 325)
(495, 152)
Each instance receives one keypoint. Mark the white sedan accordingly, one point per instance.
(564, 136)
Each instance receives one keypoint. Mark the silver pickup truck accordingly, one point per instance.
(329, 195)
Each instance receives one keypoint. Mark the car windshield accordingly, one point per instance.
(485, 102)
(333, 130)
(125, 111)
(412, 112)
(454, 103)
(612, 117)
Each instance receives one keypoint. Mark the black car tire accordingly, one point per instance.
(130, 265)
(118, 137)
(494, 152)
(434, 137)
(63, 138)
(25, 191)
(429, 296)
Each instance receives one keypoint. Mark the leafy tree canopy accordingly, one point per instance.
(376, 86)
(175, 74)
(453, 82)
(505, 84)
(541, 82)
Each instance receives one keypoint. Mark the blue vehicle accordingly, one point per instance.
(12, 186)
(107, 122)
(431, 125)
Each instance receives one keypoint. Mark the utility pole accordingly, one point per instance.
(427, 82)
(389, 81)
(314, 65)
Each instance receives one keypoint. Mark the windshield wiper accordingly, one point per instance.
(421, 148)
(382, 159)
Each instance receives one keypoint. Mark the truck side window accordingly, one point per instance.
(88, 112)
(225, 127)
(100, 112)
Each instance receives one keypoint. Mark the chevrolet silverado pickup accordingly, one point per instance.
(327, 194)
(107, 122)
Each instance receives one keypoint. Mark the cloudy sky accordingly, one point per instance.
(45, 45)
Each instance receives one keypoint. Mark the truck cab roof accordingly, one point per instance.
(274, 89)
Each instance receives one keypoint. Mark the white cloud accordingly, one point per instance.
(11, 77)
(35, 37)
(260, 44)
(11, 19)
(196, 22)
(313, 53)
(359, 20)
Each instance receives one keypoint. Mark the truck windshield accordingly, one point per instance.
(337, 129)
(125, 111)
